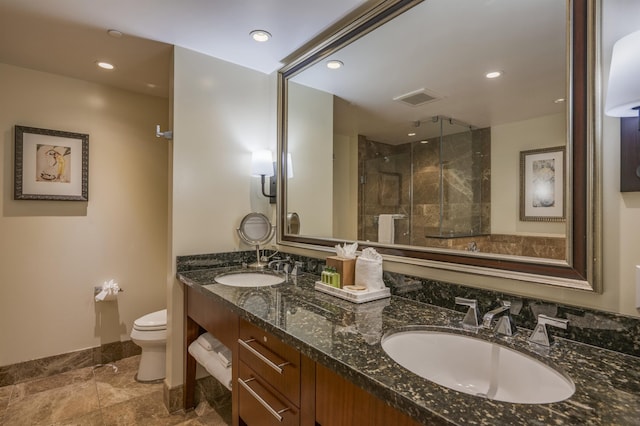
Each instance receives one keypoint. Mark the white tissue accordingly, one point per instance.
(109, 292)
(347, 251)
(369, 270)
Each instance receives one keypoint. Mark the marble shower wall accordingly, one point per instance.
(466, 178)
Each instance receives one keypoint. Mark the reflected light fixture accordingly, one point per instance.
(260, 35)
(623, 100)
(334, 64)
(493, 74)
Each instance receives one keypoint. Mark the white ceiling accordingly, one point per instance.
(447, 47)
(67, 36)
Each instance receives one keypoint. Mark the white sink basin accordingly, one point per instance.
(477, 367)
(249, 279)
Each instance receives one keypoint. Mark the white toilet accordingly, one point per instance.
(150, 333)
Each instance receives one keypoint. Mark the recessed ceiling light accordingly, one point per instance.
(425, 141)
(411, 134)
(334, 64)
(105, 65)
(493, 74)
(114, 33)
(260, 35)
(559, 100)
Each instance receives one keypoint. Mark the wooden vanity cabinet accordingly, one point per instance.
(275, 375)
(275, 382)
(342, 403)
(204, 313)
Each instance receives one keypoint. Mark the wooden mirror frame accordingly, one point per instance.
(582, 269)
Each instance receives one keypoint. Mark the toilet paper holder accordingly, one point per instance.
(108, 292)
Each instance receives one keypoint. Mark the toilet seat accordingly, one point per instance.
(152, 322)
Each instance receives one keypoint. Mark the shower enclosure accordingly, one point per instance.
(436, 187)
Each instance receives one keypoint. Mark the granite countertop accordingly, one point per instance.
(345, 337)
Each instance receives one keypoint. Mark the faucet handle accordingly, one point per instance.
(506, 326)
(540, 334)
(472, 318)
(297, 268)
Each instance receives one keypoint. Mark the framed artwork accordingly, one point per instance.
(542, 176)
(50, 165)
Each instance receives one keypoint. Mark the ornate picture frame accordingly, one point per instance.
(50, 165)
(542, 185)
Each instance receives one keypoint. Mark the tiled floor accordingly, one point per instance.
(97, 396)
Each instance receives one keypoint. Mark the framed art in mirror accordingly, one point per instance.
(51, 165)
(542, 181)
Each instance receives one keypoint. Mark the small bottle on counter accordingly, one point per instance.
(330, 277)
(325, 277)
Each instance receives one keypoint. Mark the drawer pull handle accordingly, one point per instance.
(258, 398)
(277, 367)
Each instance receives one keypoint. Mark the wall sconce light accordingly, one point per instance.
(262, 165)
(623, 100)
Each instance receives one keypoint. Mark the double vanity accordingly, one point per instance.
(304, 357)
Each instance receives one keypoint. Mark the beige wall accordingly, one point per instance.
(53, 253)
(221, 113)
(345, 187)
(310, 138)
(507, 141)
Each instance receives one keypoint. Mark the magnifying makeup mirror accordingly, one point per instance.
(256, 229)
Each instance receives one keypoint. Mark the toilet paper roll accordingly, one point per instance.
(106, 296)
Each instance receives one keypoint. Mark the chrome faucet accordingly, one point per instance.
(505, 324)
(472, 318)
(540, 335)
(285, 264)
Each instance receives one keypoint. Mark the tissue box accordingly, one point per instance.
(345, 267)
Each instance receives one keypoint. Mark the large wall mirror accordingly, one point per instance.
(408, 144)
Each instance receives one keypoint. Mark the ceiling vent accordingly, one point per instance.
(417, 98)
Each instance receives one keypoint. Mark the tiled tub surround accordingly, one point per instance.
(346, 338)
(463, 163)
(515, 245)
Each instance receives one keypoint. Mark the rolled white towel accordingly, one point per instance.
(210, 361)
(224, 356)
(209, 342)
(220, 372)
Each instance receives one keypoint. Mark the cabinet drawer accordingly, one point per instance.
(259, 404)
(274, 361)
